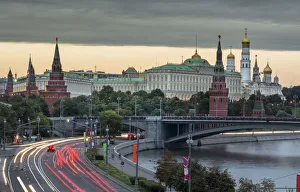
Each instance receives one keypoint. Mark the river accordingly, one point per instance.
(269, 159)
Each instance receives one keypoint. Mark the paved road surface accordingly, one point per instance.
(35, 169)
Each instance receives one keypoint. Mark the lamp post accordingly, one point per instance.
(160, 103)
(29, 126)
(106, 152)
(38, 121)
(86, 123)
(295, 98)
(4, 136)
(19, 126)
(137, 162)
(135, 105)
(190, 141)
(118, 105)
(129, 124)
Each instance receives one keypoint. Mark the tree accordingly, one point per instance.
(179, 112)
(246, 185)
(203, 178)
(111, 119)
(157, 93)
(166, 169)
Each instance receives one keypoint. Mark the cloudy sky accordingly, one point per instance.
(115, 34)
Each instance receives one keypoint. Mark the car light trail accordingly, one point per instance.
(31, 188)
(22, 184)
(3, 172)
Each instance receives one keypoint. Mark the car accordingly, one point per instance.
(51, 148)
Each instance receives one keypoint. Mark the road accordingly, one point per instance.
(35, 169)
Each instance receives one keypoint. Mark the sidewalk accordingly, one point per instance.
(129, 168)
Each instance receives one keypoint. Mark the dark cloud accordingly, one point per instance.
(272, 24)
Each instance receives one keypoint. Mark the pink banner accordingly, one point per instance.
(185, 160)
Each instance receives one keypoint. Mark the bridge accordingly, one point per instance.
(175, 129)
(169, 130)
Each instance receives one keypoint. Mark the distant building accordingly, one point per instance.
(56, 88)
(218, 93)
(3, 82)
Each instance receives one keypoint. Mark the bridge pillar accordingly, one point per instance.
(178, 129)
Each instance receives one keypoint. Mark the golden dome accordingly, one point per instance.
(196, 55)
(267, 69)
(246, 40)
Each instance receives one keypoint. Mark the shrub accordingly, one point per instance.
(151, 186)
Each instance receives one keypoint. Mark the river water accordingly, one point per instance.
(278, 160)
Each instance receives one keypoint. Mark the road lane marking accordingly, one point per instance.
(31, 188)
(31, 169)
(22, 184)
(3, 172)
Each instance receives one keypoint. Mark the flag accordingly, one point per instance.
(104, 150)
(298, 183)
(185, 160)
(134, 152)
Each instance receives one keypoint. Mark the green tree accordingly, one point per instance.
(157, 93)
(247, 185)
(111, 119)
(179, 112)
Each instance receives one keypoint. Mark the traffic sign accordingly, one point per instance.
(122, 162)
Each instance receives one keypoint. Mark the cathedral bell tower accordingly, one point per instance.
(218, 93)
(245, 60)
(256, 74)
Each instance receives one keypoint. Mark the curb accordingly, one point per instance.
(97, 169)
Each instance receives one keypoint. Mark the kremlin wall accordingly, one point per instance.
(180, 80)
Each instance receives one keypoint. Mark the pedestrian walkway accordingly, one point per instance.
(129, 169)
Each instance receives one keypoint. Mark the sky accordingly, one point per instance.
(115, 34)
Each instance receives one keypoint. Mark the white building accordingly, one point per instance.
(245, 60)
(2, 85)
(175, 80)
(76, 84)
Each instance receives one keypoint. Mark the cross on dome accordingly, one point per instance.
(219, 36)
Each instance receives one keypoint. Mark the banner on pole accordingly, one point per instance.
(134, 152)
(185, 160)
(298, 183)
(104, 150)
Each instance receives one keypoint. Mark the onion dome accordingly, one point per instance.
(267, 69)
(230, 55)
(196, 55)
(246, 40)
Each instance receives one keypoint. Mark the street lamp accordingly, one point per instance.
(160, 103)
(19, 126)
(29, 126)
(190, 141)
(4, 136)
(106, 152)
(118, 105)
(135, 105)
(295, 97)
(86, 123)
(137, 161)
(38, 121)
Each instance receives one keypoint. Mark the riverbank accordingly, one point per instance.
(248, 137)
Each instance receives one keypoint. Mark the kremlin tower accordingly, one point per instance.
(10, 83)
(56, 88)
(267, 74)
(256, 74)
(258, 109)
(245, 60)
(230, 62)
(31, 84)
(218, 93)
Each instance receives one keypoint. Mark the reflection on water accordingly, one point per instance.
(269, 159)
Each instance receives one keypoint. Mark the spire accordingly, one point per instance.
(30, 67)
(255, 66)
(245, 32)
(196, 44)
(9, 72)
(56, 65)
(219, 68)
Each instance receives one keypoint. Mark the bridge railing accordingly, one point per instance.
(230, 118)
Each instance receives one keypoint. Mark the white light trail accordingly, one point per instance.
(31, 188)
(3, 172)
(22, 184)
